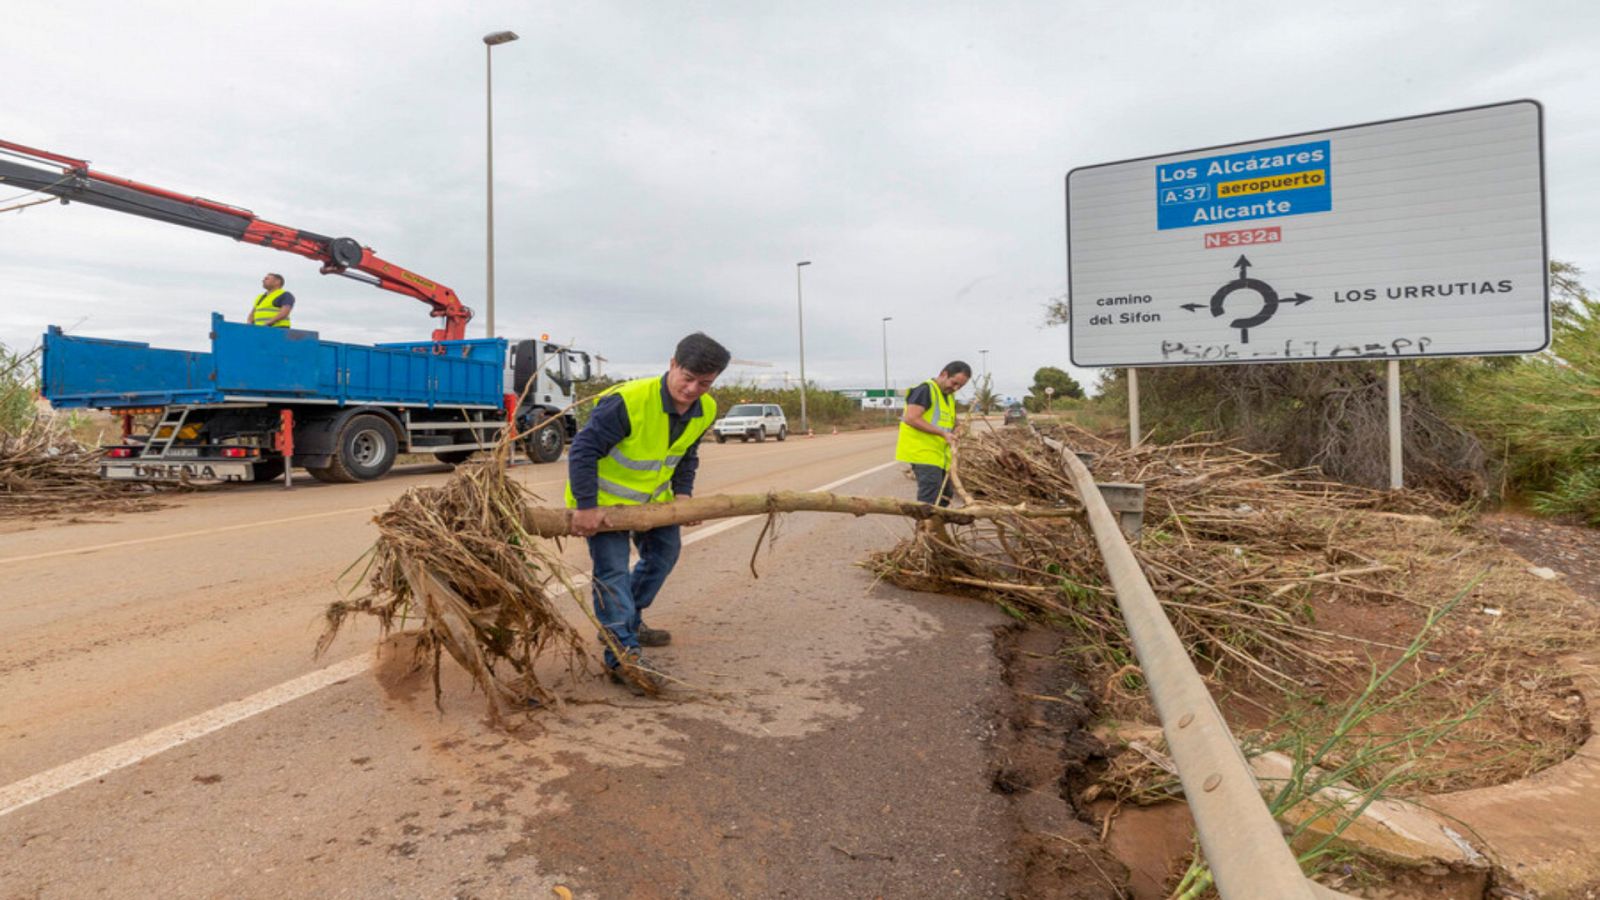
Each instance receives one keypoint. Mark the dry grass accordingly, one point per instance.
(46, 472)
(1288, 589)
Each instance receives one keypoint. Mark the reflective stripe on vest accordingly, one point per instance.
(265, 308)
(640, 467)
(913, 446)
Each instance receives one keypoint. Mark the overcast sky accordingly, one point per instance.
(662, 166)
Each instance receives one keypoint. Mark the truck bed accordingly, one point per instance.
(249, 363)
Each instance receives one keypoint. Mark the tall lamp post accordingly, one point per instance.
(800, 306)
(888, 400)
(489, 43)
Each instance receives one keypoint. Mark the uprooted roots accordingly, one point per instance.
(481, 588)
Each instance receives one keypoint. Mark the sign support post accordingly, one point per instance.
(1396, 460)
(1133, 408)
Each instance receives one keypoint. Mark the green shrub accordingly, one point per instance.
(824, 409)
(19, 385)
(1542, 414)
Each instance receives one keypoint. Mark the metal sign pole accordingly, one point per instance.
(1396, 461)
(1133, 408)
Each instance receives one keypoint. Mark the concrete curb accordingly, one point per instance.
(1544, 830)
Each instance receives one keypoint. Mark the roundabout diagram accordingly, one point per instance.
(1267, 297)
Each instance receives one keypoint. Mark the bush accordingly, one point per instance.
(825, 409)
(1543, 414)
(19, 385)
(1330, 415)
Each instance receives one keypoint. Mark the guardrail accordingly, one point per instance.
(1243, 844)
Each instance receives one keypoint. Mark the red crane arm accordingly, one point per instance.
(339, 256)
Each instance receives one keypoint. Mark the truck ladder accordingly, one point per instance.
(172, 419)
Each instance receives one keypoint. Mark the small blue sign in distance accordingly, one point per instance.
(1259, 184)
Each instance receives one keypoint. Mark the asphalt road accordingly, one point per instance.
(165, 731)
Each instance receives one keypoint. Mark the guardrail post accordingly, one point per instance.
(1127, 501)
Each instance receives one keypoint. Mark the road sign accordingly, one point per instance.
(1406, 238)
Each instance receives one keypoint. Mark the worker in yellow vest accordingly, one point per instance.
(640, 446)
(927, 431)
(273, 304)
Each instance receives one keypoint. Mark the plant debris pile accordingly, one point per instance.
(458, 558)
(45, 472)
(1287, 588)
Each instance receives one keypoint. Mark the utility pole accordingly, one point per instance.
(800, 306)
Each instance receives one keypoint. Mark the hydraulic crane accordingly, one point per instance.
(76, 182)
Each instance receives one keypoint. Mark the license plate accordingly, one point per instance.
(188, 471)
(183, 452)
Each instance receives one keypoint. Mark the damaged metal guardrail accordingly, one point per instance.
(1243, 844)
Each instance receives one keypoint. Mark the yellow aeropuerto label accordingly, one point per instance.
(1288, 181)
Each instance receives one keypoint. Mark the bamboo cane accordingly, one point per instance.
(548, 522)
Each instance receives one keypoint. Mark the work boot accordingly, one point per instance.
(653, 637)
(640, 676)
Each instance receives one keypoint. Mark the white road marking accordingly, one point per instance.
(62, 778)
(97, 765)
(134, 542)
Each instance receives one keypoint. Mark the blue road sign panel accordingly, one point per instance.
(1260, 184)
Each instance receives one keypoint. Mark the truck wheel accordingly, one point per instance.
(761, 434)
(721, 438)
(454, 457)
(366, 450)
(783, 432)
(544, 445)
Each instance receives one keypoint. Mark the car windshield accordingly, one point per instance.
(745, 409)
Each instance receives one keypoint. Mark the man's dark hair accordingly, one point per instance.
(701, 355)
(956, 368)
(277, 276)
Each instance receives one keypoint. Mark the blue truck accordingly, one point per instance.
(264, 399)
(344, 411)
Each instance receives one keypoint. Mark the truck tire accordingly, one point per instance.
(366, 449)
(721, 438)
(544, 445)
(761, 435)
(783, 432)
(454, 457)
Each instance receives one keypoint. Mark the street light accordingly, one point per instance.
(800, 306)
(489, 43)
(887, 399)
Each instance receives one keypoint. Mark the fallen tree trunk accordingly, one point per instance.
(462, 563)
(547, 522)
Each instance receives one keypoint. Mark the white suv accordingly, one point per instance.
(752, 420)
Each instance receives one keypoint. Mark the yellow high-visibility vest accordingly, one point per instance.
(639, 468)
(266, 307)
(913, 446)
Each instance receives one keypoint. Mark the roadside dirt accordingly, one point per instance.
(1043, 751)
(1571, 550)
